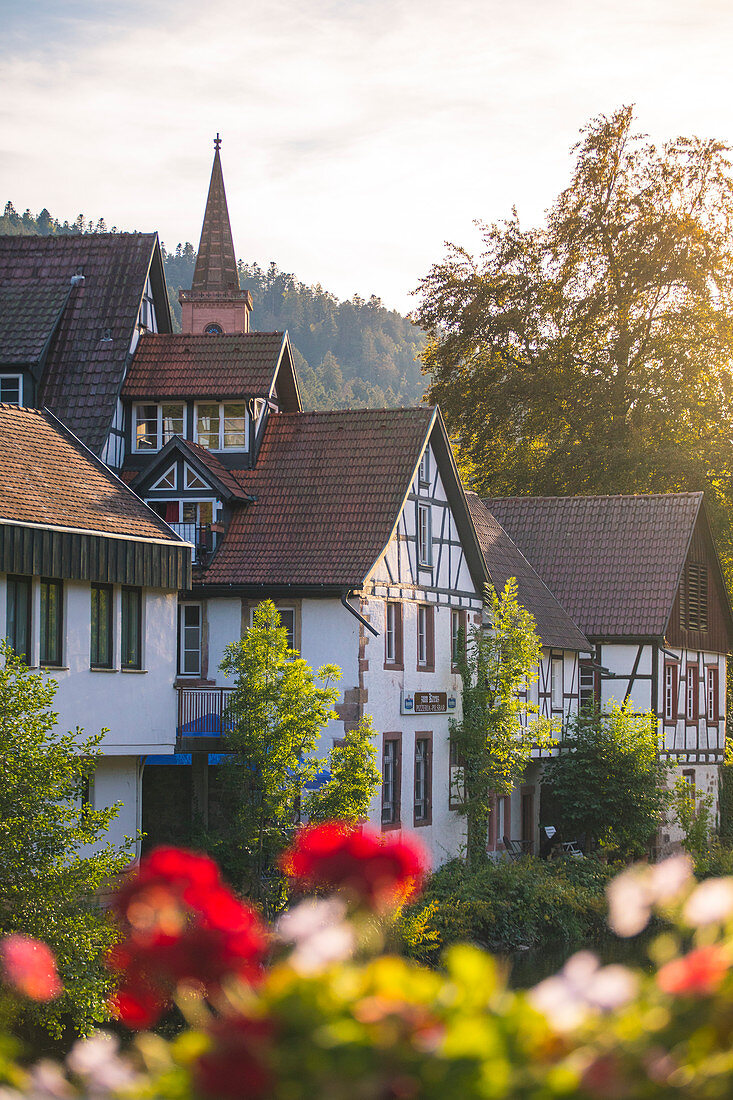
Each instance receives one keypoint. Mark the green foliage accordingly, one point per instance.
(594, 354)
(275, 719)
(354, 777)
(693, 813)
(725, 801)
(506, 905)
(48, 875)
(13, 224)
(495, 736)
(608, 782)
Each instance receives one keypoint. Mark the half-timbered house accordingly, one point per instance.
(555, 693)
(89, 578)
(641, 577)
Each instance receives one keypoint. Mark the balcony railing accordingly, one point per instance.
(201, 719)
(201, 535)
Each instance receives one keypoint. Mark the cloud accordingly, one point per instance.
(358, 136)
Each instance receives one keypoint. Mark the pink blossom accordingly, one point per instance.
(710, 903)
(30, 967)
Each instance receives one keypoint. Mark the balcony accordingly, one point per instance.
(203, 537)
(201, 721)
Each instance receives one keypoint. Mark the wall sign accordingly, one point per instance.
(428, 702)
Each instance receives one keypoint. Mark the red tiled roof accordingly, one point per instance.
(203, 366)
(614, 562)
(329, 488)
(49, 478)
(83, 369)
(217, 468)
(504, 560)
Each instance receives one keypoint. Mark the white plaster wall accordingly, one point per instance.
(330, 635)
(224, 622)
(117, 779)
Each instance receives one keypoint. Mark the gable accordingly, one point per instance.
(700, 618)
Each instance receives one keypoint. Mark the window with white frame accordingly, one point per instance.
(422, 812)
(692, 693)
(670, 693)
(154, 425)
(393, 634)
(11, 389)
(556, 683)
(424, 470)
(167, 481)
(424, 535)
(189, 659)
(222, 426)
(711, 694)
(391, 775)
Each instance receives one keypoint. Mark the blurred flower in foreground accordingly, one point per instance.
(710, 903)
(699, 973)
(97, 1062)
(380, 872)
(182, 924)
(321, 935)
(30, 967)
(633, 893)
(583, 986)
(233, 1068)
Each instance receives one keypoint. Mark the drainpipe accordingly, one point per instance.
(355, 613)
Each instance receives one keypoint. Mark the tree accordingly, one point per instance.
(49, 873)
(275, 718)
(608, 781)
(494, 738)
(353, 778)
(595, 353)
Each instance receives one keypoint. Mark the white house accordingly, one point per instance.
(88, 592)
(641, 577)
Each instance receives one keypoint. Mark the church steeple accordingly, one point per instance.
(215, 302)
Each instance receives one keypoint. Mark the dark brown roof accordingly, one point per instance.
(50, 478)
(614, 563)
(204, 366)
(28, 317)
(216, 265)
(504, 560)
(84, 368)
(329, 489)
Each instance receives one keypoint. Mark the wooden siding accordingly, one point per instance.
(85, 557)
(715, 639)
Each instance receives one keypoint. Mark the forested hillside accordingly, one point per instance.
(347, 353)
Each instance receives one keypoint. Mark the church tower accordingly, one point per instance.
(216, 303)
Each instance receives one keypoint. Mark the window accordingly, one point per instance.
(456, 779)
(424, 535)
(101, 643)
(556, 683)
(391, 775)
(692, 693)
(694, 598)
(670, 693)
(393, 636)
(499, 822)
(425, 638)
(287, 619)
(11, 389)
(167, 481)
(19, 593)
(213, 330)
(189, 619)
(424, 470)
(191, 479)
(154, 425)
(589, 686)
(52, 616)
(711, 694)
(458, 637)
(221, 427)
(132, 607)
(423, 809)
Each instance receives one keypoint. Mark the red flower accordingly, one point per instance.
(182, 924)
(233, 1068)
(697, 974)
(30, 967)
(377, 871)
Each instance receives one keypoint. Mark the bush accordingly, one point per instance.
(504, 906)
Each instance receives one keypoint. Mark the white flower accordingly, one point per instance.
(559, 1002)
(320, 934)
(710, 903)
(629, 901)
(47, 1082)
(97, 1062)
(669, 878)
(612, 987)
(582, 986)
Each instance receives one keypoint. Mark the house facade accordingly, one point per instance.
(88, 592)
(641, 577)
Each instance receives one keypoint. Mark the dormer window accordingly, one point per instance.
(154, 425)
(11, 389)
(222, 427)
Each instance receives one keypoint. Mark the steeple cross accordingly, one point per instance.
(217, 143)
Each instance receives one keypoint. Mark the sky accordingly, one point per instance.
(358, 136)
